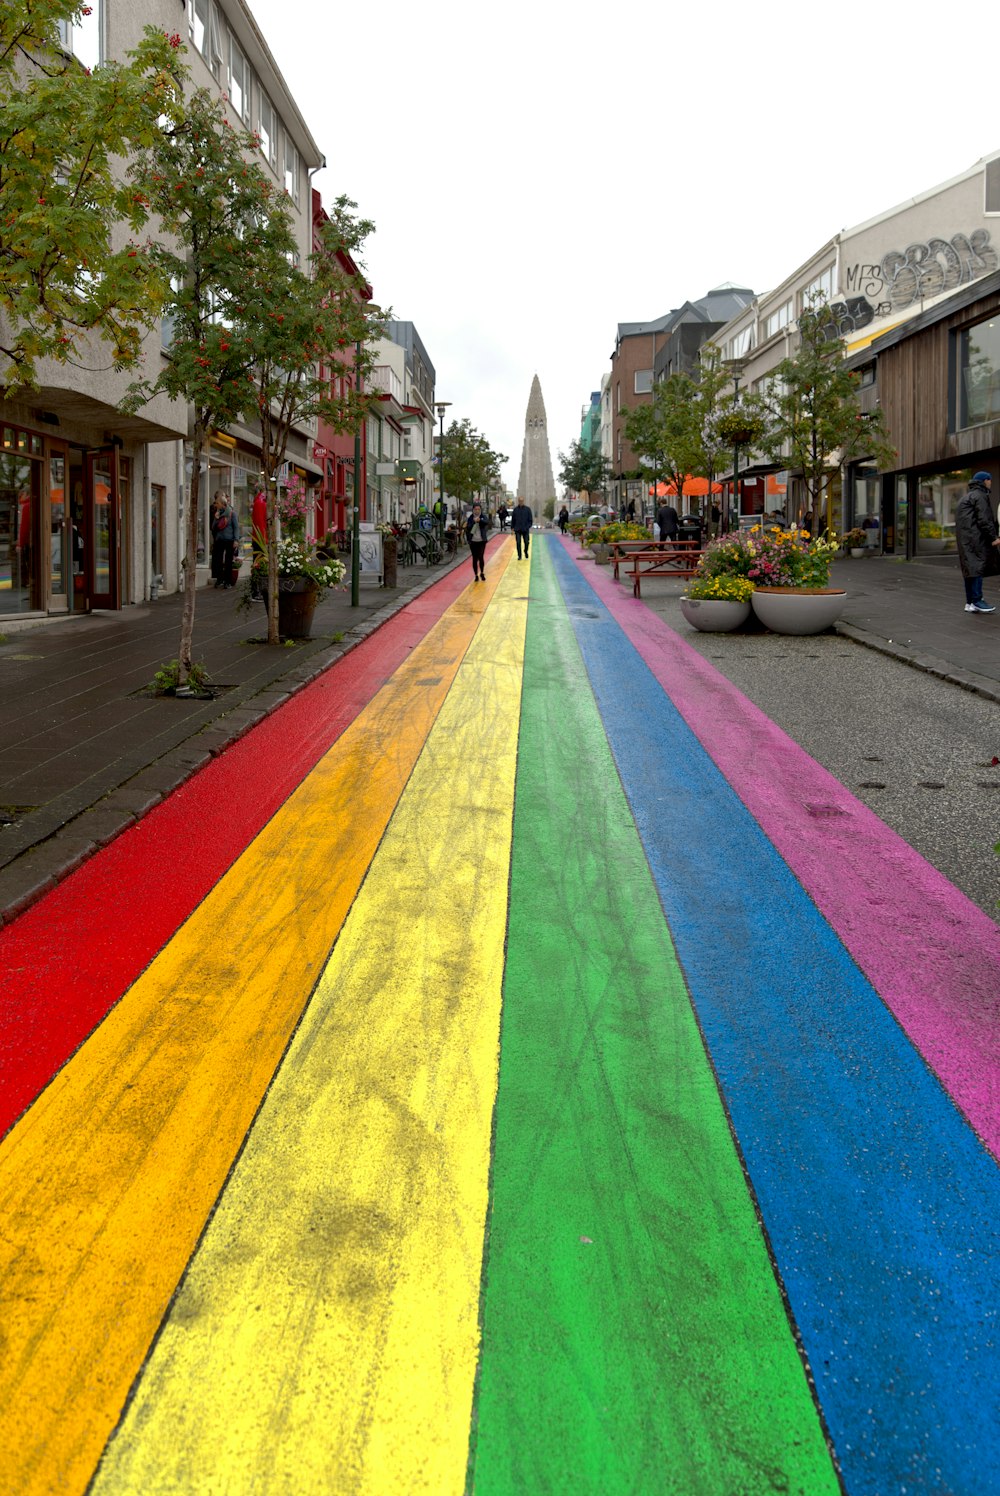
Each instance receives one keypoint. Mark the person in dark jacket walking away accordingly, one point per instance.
(521, 523)
(477, 533)
(502, 513)
(563, 518)
(666, 518)
(978, 541)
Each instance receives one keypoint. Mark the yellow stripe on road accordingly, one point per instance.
(325, 1337)
(106, 1183)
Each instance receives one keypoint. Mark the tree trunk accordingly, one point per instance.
(191, 558)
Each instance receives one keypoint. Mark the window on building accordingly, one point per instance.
(239, 80)
(740, 343)
(83, 36)
(778, 319)
(643, 381)
(267, 128)
(198, 17)
(991, 186)
(821, 288)
(979, 373)
(291, 170)
(215, 54)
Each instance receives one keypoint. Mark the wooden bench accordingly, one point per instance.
(679, 560)
(621, 550)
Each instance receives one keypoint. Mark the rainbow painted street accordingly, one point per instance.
(486, 1076)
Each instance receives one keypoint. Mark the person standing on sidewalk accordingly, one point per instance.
(521, 522)
(477, 532)
(225, 534)
(978, 541)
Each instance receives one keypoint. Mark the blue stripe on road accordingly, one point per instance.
(882, 1207)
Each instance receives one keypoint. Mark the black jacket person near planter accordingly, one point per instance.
(978, 541)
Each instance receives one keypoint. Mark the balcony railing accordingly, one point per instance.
(386, 379)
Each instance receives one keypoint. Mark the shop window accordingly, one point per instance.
(979, 373)
(20, 531)
(937, 496)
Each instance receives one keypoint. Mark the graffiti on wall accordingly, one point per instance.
(922, 271)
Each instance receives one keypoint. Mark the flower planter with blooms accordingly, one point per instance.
(302, 576)
(717, 604)
(854, 541)
(781, 565)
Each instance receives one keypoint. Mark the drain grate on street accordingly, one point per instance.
(825, 812)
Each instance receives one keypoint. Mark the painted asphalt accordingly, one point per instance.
(501, 1093)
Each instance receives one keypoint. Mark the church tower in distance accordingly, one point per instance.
(535, 484)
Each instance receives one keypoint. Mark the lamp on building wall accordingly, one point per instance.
(373, 311)
(441, 406)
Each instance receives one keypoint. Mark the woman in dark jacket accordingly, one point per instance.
(978, 541)
(477, 534)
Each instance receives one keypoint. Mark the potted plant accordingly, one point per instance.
(302, 576)
(390, 553)
(854, 541)
(790, 570)
(717, 604)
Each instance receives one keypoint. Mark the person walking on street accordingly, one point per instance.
(978, 541)
(502, 513)
(225, 536)
(563, 519)
(477, 534)
(521, 523)
(666, 518)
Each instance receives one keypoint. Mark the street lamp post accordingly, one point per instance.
(356, 512)
(441, 406)
(737, 366)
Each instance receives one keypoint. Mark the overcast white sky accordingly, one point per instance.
(540, 172)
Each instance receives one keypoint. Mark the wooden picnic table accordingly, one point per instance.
(679, 559)
(622, 549)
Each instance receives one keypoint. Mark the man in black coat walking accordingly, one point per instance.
(978, 541)
(521, 522)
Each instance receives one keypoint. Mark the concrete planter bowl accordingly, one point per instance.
(601, 554)
(714, 615)
(798, 610)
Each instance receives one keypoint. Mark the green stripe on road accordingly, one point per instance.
(634, 1338)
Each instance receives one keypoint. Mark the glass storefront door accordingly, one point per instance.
(103, 525)
(20, 532)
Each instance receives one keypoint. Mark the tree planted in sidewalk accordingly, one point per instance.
(468, 463)
(815, 421)
(675, 434)
(312, 352)
(225, 227)
(583, 469)
(76, 283)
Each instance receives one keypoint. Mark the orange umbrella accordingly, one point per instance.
(694, 488)
(661, 491)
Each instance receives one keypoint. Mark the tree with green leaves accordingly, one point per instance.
(225, 230)
(583, 469)
(468, 463)
(308, 325)
(71, 283)
(675, 434)
(815, 420)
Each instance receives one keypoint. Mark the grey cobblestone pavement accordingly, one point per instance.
(910, 723)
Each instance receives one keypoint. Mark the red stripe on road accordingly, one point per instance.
(71, 956)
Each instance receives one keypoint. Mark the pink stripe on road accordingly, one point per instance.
(932, 956)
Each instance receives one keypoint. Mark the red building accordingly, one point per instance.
(334, 451)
